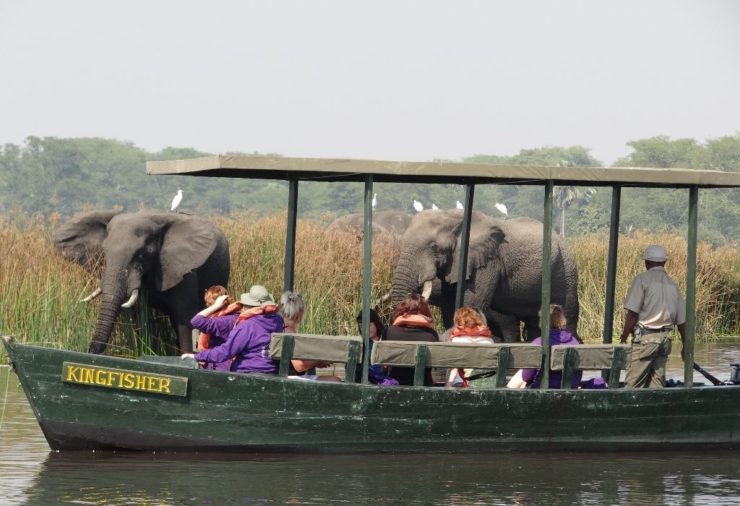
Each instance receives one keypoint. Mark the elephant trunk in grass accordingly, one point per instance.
(504, 270)
(172, 257)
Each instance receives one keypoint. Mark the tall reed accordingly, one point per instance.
(717, 281)
(40, 290)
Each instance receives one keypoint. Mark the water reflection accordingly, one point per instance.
(30, 474)
(667, 478)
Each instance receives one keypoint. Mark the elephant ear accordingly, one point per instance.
(80, 239)
(186, 245)
(485, 239)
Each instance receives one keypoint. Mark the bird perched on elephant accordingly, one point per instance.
(504, 270)
(173, 257)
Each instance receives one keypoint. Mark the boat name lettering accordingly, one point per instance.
(123, 379)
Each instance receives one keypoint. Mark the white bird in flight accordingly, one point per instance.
(459, 205)
(374, 202)
(417, 206)
(502, 209)
(434, 206)
(176, 200)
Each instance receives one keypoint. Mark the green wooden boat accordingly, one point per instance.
(94, 402)
(85, 401)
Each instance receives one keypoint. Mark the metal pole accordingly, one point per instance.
(611, 265)
(546, 284)
(367, 275)
(464, 246)
(290, 235)
(688, 344)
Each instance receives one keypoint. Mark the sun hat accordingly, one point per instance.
(256, 296)
(656, 253)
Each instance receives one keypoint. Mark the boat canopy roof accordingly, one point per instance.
(344, 169)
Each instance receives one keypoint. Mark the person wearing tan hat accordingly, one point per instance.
(654, 307)
(249, 332)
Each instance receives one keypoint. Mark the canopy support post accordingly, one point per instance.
(464, 246)
(546, 284)
(290, 235)
(688, 344)
(367, 274)
(611, 265)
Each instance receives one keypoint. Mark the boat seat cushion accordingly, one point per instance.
(315, 347)
(588, 356)
(468, 355)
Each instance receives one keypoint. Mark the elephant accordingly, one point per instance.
(392, 223)
(504, 270)
(174, 257)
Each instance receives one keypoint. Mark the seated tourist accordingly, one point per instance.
(411, 321)
(206, 340)
(469, 328)
(248, 332)
(558, 335)
(375, 374)
(292, 307)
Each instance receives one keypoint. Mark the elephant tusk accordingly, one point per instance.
(426, 290)
(92, 295)
(132, 300)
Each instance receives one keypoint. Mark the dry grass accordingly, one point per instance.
(40, 289)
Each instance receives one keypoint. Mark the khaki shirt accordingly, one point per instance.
(656, 299)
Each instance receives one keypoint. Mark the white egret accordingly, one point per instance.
(459, 205)
(176, 200)
(417, 206)
(434, 206)
(502, 209)
(375, 200)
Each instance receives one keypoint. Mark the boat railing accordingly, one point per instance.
(610, 358)
(422, 355)
(336, 349)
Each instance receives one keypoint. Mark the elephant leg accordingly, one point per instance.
(531, 328)
(184, 302)
(184, 336)
(447, 304)
(504, 327)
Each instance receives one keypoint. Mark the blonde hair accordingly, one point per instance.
(557, 317)
(468, 317)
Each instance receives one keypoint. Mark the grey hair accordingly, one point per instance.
(292, 306)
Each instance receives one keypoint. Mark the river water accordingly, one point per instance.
(31, 474)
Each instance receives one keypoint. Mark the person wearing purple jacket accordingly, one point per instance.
(558, 335)
(249, 332)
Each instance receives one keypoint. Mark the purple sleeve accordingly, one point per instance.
(221, 353)
(528, 374)
(216, 326)
(233, 346)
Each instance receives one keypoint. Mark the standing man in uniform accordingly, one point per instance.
(654, 306)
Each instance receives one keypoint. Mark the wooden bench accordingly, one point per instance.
(420, 355)
(344, 349)
(584, 357)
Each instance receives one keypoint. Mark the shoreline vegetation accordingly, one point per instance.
(41, 290)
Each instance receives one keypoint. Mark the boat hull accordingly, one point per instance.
(255, 413)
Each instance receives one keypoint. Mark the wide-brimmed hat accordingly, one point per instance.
(656, 253)
(256, 296)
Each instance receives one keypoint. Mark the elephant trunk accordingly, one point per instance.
(115, 291)
(405, 280)
(107, 314)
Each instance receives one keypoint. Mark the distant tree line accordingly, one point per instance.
(54, 175)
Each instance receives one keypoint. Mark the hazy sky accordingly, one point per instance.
(407, 80)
